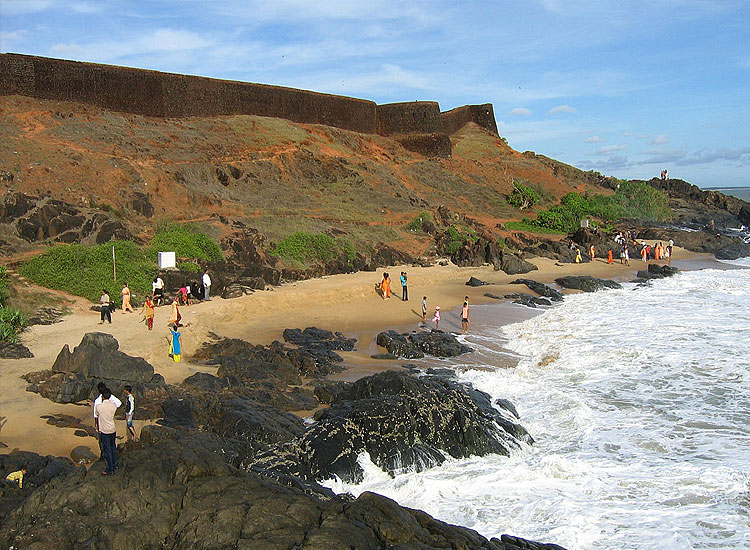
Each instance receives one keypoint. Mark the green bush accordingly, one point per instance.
(4, 282)
(85, 270)
(186, 241)
(416, 223)
(188, 266)
(306, 247)
(12, 322)
(457, 236)
(348, 249)
(522, 196)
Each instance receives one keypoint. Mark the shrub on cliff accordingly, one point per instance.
(522, 196)
(312, 247)
(4, 282)
(186, 241)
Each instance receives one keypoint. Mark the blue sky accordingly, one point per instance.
(625, 87)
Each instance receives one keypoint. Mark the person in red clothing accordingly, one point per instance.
(609, 256)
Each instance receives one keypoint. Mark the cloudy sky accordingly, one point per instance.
(626, 87)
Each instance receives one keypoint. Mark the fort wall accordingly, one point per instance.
(418, 125)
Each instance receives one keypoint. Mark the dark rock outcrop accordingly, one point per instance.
(74, 375)
(733, 251)
(175, 494)
(656, 271)
(540, 288)
(473, 281)
(402, 422)
(528, 300)
(416, 345)
(10, 350)
(586, 283)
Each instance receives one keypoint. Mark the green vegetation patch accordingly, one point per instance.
(187, 241)
(457, 236)
(12, 320)
(85, 270)
(522, 196)
(307, 248)
(416, 223)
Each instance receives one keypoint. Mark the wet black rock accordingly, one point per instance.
(75, 375)
(540, 288)
(403, 422)
(733, 251)
(656, 271)
(473, 281)
(494, 296)
(528, 300)
(513, 265)
(10, 350)
(586, 283)
(328, 390)
(416, 345)
(173, 493)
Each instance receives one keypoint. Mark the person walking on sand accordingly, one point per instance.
(148, 312)
(609, 256)
(626, 252)
(592, 252)
(17, 477)
(105, 421)
(578, 256)
(206, 285)
(125, 293)
(105, 307)
(129, 411)
(424, 308)
(157, 291)
(385, 286)
(175, 348)
(404, 290)
(436, 318)
(465, 317)
(175, 317)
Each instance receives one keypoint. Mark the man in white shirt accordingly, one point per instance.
(101, 387)
(104, 413)
(157, 288)
(206, 285)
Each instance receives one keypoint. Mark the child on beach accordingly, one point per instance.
(424, 308)
(174, 344)
(436, 318)
(17, 477)
(465, 317)
(129, 410)
(148, 312)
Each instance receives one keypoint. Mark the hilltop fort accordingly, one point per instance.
(418, 125)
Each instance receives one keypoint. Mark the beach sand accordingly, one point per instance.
(346, 303)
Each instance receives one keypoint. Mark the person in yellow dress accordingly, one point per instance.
(16, 477)
(126, 298)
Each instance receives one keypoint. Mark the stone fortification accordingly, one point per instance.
(482, 115)
(418, 125)
(153, 93)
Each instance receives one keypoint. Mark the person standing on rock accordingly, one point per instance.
(404, 290)
(129, 411)
(102, 387)
(105, 307)
(465, 317)
(105, 415)
(125, 293)
(206, 285)
(148, 312)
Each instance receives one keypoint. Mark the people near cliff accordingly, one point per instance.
(579, 259)
(669, 253)
(592, 252)
(175, 346)
(609, 256)
(125, 293)
(102, 387)
(626, 254)
(148, 312)
(465, 317)
(105, 307)
(206, 280)
(644, 253)
(436, 318)
(104, 413)
(404, 289)
(184, 295)
(664, 175)
(175, 317)
(424, 308)
(129, 412)
(385, 286)
(16, 477)
(157, 291)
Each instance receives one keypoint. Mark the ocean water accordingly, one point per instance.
(639, 401)
(739, 192)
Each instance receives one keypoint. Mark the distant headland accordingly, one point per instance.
(418, 125)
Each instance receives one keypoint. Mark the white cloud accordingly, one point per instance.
(23, 7)
(519, 111)
(594, 139)
(562, 109)
(682, 157)
(661, 139)
(610, 149)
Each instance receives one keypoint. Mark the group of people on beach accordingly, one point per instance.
(625, 240)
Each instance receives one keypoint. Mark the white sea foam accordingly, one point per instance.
(639, 401)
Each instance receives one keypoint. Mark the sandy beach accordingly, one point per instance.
(346, 303)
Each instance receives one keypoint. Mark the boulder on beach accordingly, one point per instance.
(14, 350)
(403, 422)
(540, 288)
(528, 300)
(586, 283)
(656, 271)
(416, 345)
(473, 281)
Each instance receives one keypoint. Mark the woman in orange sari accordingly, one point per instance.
(385, 286)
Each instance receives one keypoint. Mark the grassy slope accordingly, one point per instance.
(289, 177)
